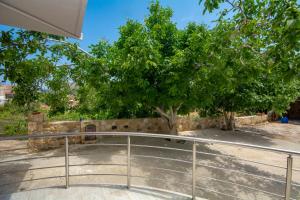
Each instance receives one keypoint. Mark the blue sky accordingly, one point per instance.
(104, 17)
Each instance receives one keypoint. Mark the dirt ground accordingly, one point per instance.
(223, 172)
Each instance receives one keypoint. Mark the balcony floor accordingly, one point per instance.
(93, 193)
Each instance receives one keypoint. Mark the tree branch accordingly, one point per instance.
(238, 7)
(178, 107)
(162, 113)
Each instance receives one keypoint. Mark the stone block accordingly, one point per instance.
(37, 117)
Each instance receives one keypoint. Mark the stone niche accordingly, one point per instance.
(89, 138)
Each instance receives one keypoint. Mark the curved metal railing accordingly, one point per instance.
(193, 163)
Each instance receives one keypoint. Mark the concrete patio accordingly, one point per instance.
(84, 160)
(93, 193)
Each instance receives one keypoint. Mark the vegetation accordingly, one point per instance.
(12, 120)
(27, 60)
(18, 127)
(58, 90)
(256, 61)
(152, 65)
(248, 62)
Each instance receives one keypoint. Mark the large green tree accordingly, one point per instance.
(255, 52)
(26, 61)
(154, 64)
(150, 70)
(231, 74)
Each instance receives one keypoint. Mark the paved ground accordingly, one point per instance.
(215, 171)
(93, 193)
(274, 134)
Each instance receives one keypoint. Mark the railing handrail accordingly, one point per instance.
(153, 135)
(193, 139)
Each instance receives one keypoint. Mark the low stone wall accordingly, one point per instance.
(41, 127)
(190, 123)
(38, 125)
(251, 120)
(195, 123)
(151, 125)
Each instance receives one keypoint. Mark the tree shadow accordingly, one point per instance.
(11, 182)
(214, 180)
(294, 122)
(249, 135)
(22, 170)
(210, 178)
(99, 158)
(274, 130)
(96, 153)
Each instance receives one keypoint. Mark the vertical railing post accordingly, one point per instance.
(128, 162)
(289, 171)
(67, 161)
(194, 171)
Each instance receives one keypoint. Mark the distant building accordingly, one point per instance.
(294, 111)
(6, 93)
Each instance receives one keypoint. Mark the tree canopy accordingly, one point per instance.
(248, 62)
(257, 51)
(26, 60)
(152, 66)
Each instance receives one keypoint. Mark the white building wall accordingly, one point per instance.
(2, 99)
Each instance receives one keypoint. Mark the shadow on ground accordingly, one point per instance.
(211, 182)
(218, 177)
(10, 182)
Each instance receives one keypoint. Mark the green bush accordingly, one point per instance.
(16, 128)
(67, 116)
(76, 116)
(12, 119)
(11, 111)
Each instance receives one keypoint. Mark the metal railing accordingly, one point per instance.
(195, 141)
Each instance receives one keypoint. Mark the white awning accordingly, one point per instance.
(58, 17)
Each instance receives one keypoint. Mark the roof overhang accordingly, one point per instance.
(58, 17)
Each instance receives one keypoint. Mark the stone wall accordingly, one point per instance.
(192, 123)
(151, 125)
(38, 125)
(251, 120)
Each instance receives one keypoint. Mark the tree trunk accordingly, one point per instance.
(170, 117)
(229, 120)
(172, 123)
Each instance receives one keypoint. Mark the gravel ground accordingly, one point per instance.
(210, 163)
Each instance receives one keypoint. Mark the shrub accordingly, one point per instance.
(68, 116)
(16, 128)
(76, 116)
(12, 111)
